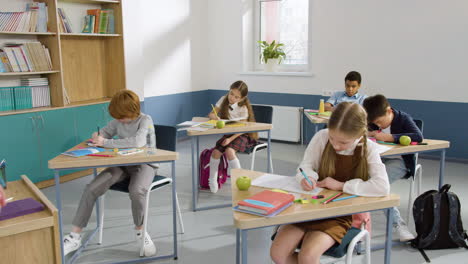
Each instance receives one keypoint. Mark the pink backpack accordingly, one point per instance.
(204, 172)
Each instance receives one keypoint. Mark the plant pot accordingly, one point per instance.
(272, 65)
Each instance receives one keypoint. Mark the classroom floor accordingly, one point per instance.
(210, 236)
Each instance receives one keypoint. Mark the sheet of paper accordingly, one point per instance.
(189, 123)
(383, 148)
(286, 183)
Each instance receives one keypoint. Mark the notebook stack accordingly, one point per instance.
(266, 203)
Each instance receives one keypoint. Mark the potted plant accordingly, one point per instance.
(272, 54)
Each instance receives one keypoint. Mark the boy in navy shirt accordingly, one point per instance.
(388, 124)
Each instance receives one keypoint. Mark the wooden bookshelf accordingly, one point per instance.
(26, 33)
(88, 35)
(26, 73)
(87, 67)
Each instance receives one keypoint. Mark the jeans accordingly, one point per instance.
(396, 170)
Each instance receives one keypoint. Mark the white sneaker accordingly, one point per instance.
(404, 233)
(71, 243)
(213, 183)
(149, 249)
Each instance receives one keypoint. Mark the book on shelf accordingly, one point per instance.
(25, 57)
(33, 19)
(36, 94)
(64, 21)
(96, 13)
(99, 21)
(266, 203)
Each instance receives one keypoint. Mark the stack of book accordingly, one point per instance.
(34, 92)
(99, 21)
(34, 19)
(25, 57)
(266, 203)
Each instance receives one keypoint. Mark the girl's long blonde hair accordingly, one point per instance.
(241, 86)
(349, 119)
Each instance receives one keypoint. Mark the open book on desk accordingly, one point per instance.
(286, 183)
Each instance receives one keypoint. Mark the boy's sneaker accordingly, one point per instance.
(71, 243)
(213, 183)
(149, 249)
(404, 233)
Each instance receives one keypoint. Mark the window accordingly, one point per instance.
(287, 22)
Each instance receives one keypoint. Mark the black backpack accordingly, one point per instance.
(437, 221)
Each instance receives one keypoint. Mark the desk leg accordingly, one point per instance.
(388, 241)
(441, 168)
(237, 246)
(269, 169)
(174, 208)
(243, 241)
(316, 128)
(98, 206)
(194, 179)
(58, 202)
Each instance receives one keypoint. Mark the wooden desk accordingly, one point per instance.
(432, 145)
(304, 212)
(63, 162)
(315, 120)
(32, 237)
(249, 127)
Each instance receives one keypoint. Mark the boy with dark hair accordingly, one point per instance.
(388, 124)
(350, 94)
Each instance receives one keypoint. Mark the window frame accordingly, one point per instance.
(257, 65)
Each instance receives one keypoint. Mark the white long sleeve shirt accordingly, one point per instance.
(377, 185)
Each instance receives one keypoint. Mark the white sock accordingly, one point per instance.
(214, 164)
(234, 164)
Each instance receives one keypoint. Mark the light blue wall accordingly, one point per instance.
(442, 120)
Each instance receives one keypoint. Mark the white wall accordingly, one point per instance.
(405, 49)
(173, 48)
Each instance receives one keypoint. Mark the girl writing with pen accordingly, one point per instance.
(339, 158)
(234, 105)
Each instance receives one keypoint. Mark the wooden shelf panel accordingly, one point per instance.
(26, 73)
(93, 1)
(88, 35)
(27, 33)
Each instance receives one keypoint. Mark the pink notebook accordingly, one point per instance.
(20, 207)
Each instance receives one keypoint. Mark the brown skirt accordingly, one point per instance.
(334, 227)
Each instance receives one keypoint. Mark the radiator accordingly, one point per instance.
(287, 124)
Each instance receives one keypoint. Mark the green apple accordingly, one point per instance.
(405, 140)
(243, 183)
(220, 124)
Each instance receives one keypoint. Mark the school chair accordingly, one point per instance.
(416, 178)
(345, 250)
(166, 137)
(263, 114)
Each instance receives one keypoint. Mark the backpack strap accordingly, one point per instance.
(426, 241)
(454, 209)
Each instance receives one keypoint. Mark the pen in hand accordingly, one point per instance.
(307, 178)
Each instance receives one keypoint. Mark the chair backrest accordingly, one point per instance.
(263, 113)
(419, 124)
(166, 137)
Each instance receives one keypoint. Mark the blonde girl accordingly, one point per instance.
(339, 158)
(234, 105)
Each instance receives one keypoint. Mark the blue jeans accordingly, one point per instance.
(396, 170)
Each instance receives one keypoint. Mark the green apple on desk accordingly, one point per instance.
(405, 140)
(220, 124)
(243, 183)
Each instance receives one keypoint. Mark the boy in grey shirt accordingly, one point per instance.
(132, 129)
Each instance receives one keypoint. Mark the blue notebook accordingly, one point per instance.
(83, 151)
(236, 208)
